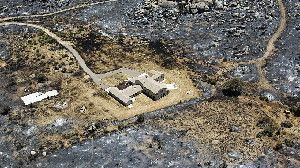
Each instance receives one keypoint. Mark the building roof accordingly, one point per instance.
(149, 84)
(120, 96)
(132, 90)
(38, 96)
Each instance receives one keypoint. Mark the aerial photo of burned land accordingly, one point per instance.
(150, 83)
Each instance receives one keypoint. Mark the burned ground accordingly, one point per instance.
(283, 70)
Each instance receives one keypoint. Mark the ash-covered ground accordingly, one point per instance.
(34, 7)
(233, 30)
(236, 122)
(284, 68)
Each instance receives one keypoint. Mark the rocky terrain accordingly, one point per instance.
(241, 56)
(31, 7)
(283, 69)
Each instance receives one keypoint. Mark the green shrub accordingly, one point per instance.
(296, 109)
(140, 118)
(267, 132)
(4, 109)
(269, 127)
(264, 122)
(286, 124)
(263, 98)
(233, 87)
(289, 142)
(40, 78)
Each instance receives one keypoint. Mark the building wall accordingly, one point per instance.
(157, 96)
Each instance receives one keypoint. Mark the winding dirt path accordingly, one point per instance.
(54, 13)
(66, 44)
(269, 52)
(260, 62)
(9, 21)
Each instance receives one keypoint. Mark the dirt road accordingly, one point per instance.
(269, 52)
(54, 13)
(66, 44)
(261, 62)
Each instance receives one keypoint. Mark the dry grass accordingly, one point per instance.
(100, 106)
(58, 65)
(209, 123)
(81, 92)
(2, 64)
(55, 60)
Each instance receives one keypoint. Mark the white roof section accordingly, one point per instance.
(132, 90)
(172, 86)
(38, 96)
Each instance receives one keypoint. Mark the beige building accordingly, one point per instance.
(149, 84)
(119, 96)
(151, 87)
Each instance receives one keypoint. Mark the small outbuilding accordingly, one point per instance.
(38, 96)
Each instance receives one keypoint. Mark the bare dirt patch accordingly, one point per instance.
(246, 126)
(100, 106)
(2, 64)
(86, 102)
